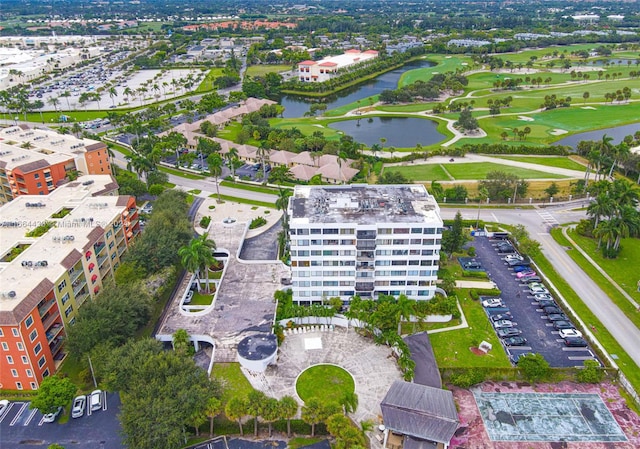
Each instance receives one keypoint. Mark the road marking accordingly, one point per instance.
(575, 349)
(17, 417)
(548, 218)
(41, 421)
(33, 412)
(6, 413)
(104, 402)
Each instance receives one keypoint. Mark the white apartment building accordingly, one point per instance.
(326, 68)
(363, 240)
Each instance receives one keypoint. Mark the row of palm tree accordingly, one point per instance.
(197, 257)
(258, 405)
(613, 214)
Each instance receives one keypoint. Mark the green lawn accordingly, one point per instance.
(624, 362)
(451, 348)
(244, 201)
(250, 187)
(201, 299)
(421, 172)
(263, 69)
(207, 83)
(325, 382)
(234, 383)
(625, 269)
(548, 161)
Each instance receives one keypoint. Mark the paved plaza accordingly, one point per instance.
(372, 366)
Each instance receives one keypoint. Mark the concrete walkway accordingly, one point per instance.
(600, 270)
(372, 366)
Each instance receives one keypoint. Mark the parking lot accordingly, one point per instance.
(253, 172)
(526, 313)
(21, 427)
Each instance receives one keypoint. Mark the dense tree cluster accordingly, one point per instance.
(423, 91)
(502, 186)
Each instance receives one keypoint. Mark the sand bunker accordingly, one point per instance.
(559, 132)
(588, 107)
(525, 118)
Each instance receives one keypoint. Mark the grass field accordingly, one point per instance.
(207, 82)
(466, 171)
(451, 348)
(263, 69)
(624, 270)
(234, 383)
(549, 161)
(326, 382)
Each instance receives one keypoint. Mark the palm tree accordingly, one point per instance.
(66, 94)
(214, 160)
(263, 154)
(282, 203)
(236, 409)
(342, 157)
(270, 412)
(288, 409)
(483, 194)
(54, 101)
(255, 406)
(198, 418)
(128, 92)
(349, 402)
(113, 93)
(232, 157)
(197, 257)
(311, 413)
(405, 310)
(606, 232)
(213, 409)
(603, 206)
(76, 129)
(139, 164)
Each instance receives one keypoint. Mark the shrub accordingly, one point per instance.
(467, 379)
(156, 189)
(477, 292)
(205, 221)
(534, 367)
(471, 251)
(591, 373)
(257, 222)
(585, 228)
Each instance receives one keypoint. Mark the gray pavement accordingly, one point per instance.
(537, 223)
(372, 366)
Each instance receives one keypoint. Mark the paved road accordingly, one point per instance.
(537, 222)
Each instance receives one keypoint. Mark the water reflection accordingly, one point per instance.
(618, 133)
(399, 132)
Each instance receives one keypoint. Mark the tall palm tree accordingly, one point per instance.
(236, 409)
(232, 157)
(289, 409)
(263, 154)
(214, 160)
(66, 94)
(54, 101)
(282, 203)
(113, 93)
(197, 257)
(606, 232)
(405, 310)
(603, 206)
(213, 409)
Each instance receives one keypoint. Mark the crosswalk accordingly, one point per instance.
(548, 218)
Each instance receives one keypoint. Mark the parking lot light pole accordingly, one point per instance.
(95, 384)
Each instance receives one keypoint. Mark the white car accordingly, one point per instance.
(79, 403)
(509, 257)
(189, 297)
(51, 417)
(564, 333)
(4, 405)
(95, 400)
(492, 302)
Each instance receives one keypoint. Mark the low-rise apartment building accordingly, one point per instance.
(327, 68)
(37, 161)
(56, 252)
(364, 240)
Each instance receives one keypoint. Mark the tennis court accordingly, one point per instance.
(552, 417)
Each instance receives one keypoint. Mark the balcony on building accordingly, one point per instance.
(82, 296)
(54, 332)
(366, 235)
(364, 286)
(78, 285)
(44, 306)
(75, 273)
(366, 245)
(366, 266)
(363, 256)
(49, 319)
(98, 247)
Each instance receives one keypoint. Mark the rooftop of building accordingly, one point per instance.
(347, 58)
(23, 147)
(363, 204)
(62, 245)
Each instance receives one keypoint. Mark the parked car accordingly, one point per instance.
(4, 405)
(501, 316)
(563, 324)
(515, 341)
(578, 342)
(509, 257)
(531, 279)
(472, 265)
(189, 297)
(543, 297)
(79, 404)
(519, 268)
(95, 400)
(517, 262)
(568, 333)
(515, 358)
(492, 302)
(504, 249)
(508, 332)
(525, 273)
(51, 417)
(557, 317)
(551, 309)
(546, 303)
(502, 324)
(537, 290)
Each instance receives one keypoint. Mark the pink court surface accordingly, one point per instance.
(473, 433)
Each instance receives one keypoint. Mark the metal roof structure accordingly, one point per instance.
(420, 412)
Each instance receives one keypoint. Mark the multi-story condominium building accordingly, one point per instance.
(364, 240)
(326, 68)
(36, 161)
(56, 251)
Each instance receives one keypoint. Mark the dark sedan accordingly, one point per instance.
(508, 332)
(515, 341)
(578, 342)
(557, 325)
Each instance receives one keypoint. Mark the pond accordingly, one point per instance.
(400, 132)
(296, 106)
(618, 133)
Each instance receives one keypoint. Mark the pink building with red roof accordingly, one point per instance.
(325, 69)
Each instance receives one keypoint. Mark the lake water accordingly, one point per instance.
(297, 106)
(400, 132)
(618, 133)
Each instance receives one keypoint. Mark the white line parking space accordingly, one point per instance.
(30, 417)
(17, 417)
